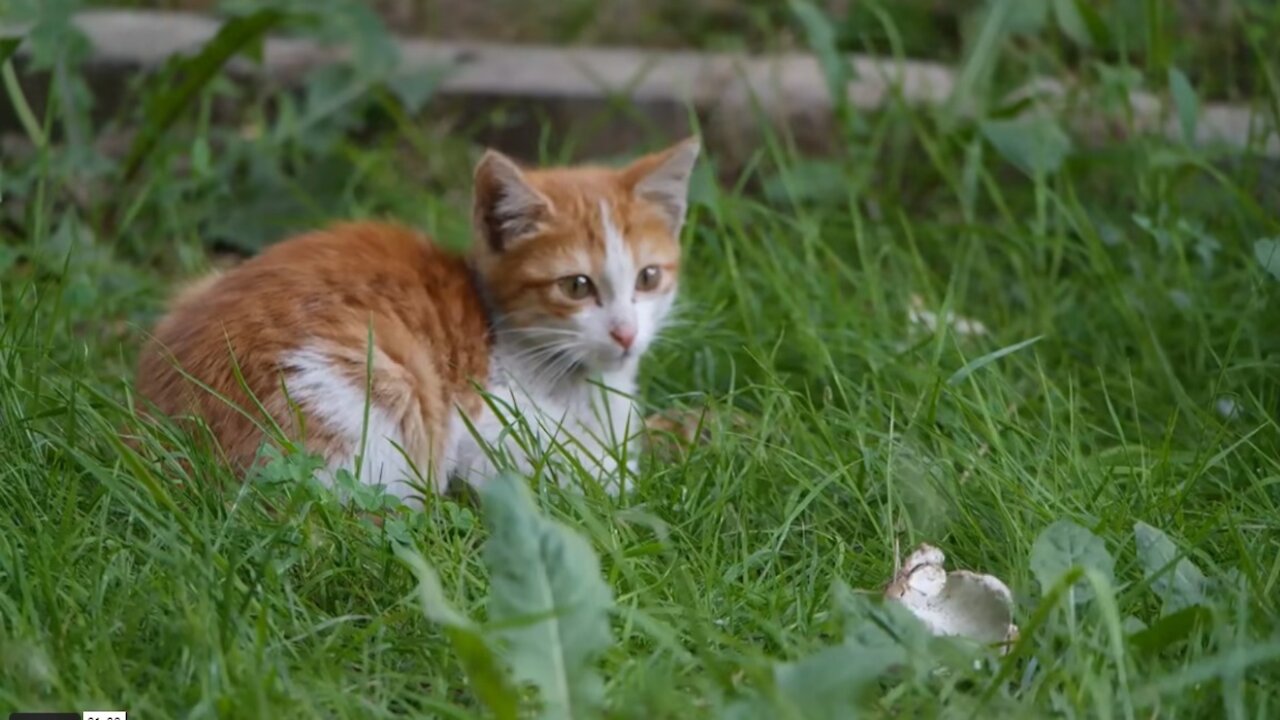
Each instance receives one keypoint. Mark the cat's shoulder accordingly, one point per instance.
(327, 265)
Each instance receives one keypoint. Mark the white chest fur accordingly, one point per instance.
(526, 425)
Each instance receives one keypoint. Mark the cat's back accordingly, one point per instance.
(329, 288)
(353, 267)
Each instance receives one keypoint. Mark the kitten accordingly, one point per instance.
(571, 274)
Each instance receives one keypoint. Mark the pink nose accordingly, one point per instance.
(624, 336)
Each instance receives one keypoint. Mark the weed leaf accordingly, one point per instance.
(1099, 31)
(487, 676)
(1072, 23)
(1186, 103)
(8, 46)
(1170, 629)
(1027, 17)
(828, 684)
(1179, 584)
(1036, 145)
(886, 630)
(414, 86)
(549, 604)
(51, 34)
(834, 681)
(1268, 253)
(1064, 545)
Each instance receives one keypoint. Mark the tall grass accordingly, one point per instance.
(136, 573)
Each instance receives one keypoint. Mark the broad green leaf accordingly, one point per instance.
(413, 87)
(1099, 33)
(353, 24)
(8, 256)
(886, 630)
(978, 363)
(1072, 22)
(1117, 83)
(53, 36)
(549, 604)
(196, 72)
(1177, 581)
(1170, 629)
(488, 679)
(8, 46)
(896, 637)
(834, 681)
(1035, 145)
(1267, 251)
(1027, 17)
(435, 605)
(268, 202)
(1186, 103)
(1064, 545)
(829, 683)
(329, 97)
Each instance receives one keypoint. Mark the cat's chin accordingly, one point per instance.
(613, 362)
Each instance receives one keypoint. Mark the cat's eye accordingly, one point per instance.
(649, 278)
(576, 287)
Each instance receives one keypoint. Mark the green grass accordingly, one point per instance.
(147, 578)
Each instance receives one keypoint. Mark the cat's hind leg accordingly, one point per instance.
(380, 421)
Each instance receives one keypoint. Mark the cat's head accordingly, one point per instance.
(581, 263)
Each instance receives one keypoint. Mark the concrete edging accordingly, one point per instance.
(729, 92)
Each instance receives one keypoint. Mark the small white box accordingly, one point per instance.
(104, 715)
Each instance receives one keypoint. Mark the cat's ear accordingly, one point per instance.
(505, 206)
(663, 179)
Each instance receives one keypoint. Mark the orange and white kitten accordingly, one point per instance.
(570, 277)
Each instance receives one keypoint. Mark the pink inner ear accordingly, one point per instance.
(507, 206)
(663, 179)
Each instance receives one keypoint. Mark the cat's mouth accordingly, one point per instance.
(604, 360)
(616, 358)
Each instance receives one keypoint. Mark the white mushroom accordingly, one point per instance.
(918, 314)
(967, 604)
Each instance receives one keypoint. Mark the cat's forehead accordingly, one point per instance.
(588, 235)
(595, 200)
(579, 192)
(594, 216)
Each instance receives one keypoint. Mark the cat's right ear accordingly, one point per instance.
(505, 206)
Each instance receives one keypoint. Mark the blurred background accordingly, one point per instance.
(193, 132)
(1208, 37)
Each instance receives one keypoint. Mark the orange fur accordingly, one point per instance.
(300, 314)
(430, 325)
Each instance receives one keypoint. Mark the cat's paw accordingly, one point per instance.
(671, 432)
(683, 425)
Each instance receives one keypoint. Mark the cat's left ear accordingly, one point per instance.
(506, 207)
(663, 179)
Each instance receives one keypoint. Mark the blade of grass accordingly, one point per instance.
(978, 363)
(21, 108)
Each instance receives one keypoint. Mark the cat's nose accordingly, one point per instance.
(624, 335)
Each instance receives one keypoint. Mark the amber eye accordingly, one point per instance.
(649, 278)
(576, 287)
